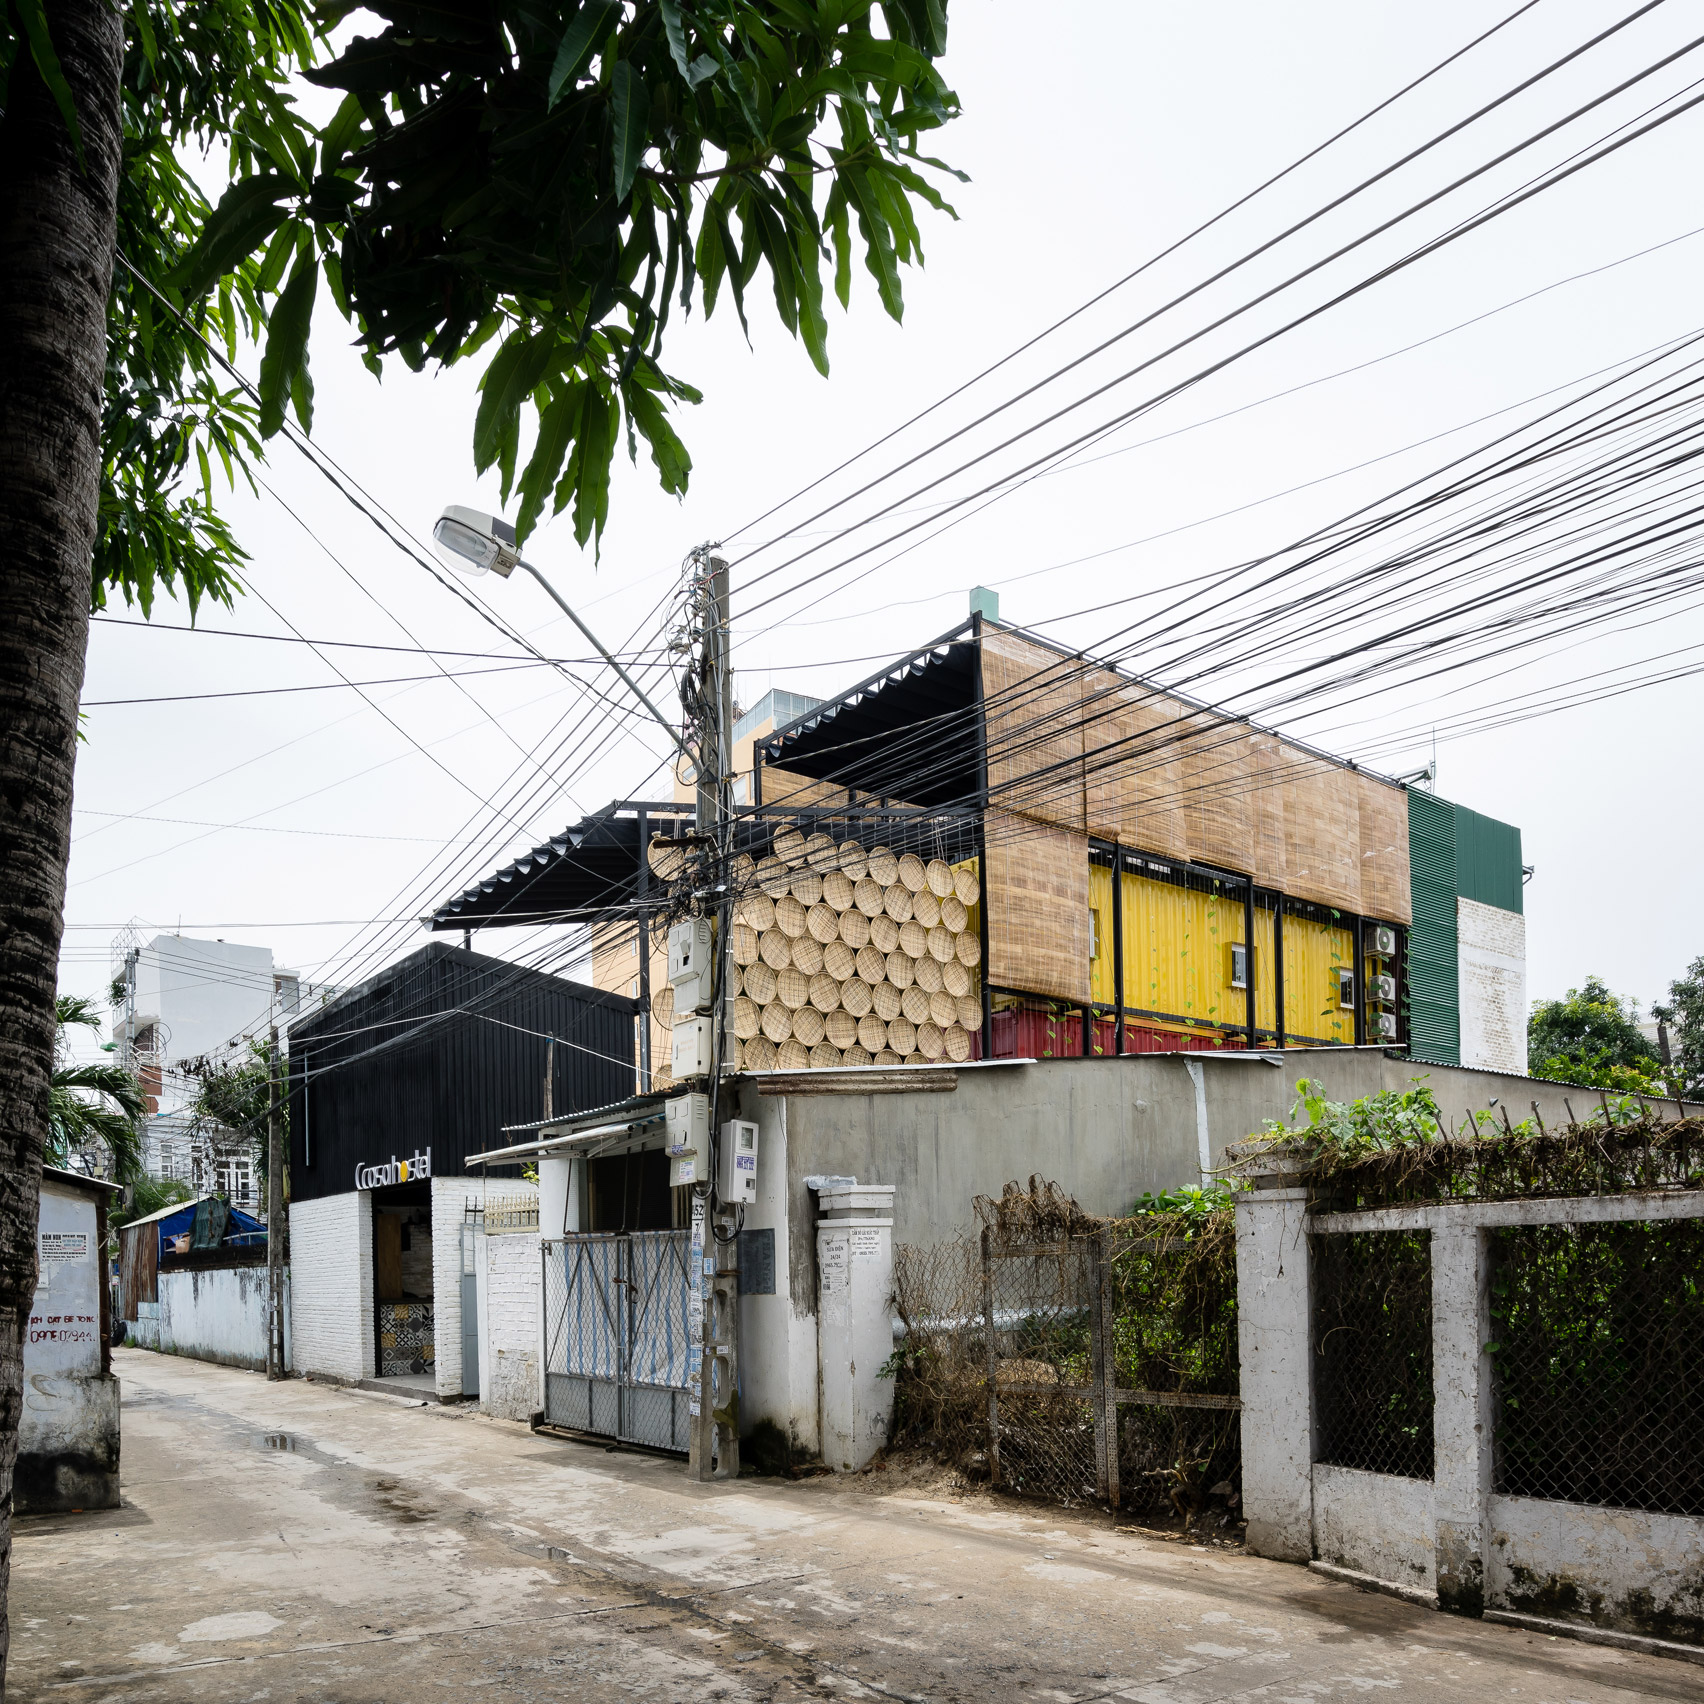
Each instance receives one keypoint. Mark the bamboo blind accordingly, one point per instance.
(1035, 735)
(1038, 907)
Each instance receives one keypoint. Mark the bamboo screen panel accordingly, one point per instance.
(1038, 907)
(1034, 729)
(1322, 831)
(1385, 891)
(1136, 788)
(783, 787)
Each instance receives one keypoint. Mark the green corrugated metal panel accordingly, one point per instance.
(1488, 860)
(1434, 1008)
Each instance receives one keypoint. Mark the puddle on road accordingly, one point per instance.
(278, 1441)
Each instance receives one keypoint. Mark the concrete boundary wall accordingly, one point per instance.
(1576, 1564)
(212, 1314)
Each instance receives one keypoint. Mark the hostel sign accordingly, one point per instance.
(412, 1170)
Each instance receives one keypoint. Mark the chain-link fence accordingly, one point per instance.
(1597, 1335)
(1372, 1344)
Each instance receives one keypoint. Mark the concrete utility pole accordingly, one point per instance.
(715, 1443)
(275, 1367)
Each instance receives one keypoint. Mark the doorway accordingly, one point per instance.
(404, 1324)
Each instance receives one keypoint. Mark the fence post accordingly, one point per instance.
(1462, 1404)
(993, 1360)
(1097, 1360)
(1106, 1302)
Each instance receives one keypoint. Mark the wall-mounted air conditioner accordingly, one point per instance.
(1382, 940)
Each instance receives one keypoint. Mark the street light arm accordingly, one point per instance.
(632, 685)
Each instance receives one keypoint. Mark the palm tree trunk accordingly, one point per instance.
(57, 233)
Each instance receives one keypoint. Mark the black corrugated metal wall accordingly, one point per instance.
(441, 1051)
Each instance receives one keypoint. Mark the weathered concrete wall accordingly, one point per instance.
(449, 1198)
(1491, 983)
(218, 1315)
(1375, 1524)
(331, 1285)
(1621, 1568)
(68, 1432)
(855, 1322)
(510, 1269)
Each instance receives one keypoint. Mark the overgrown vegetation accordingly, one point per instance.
(1592, 1037)
(1683, 1014)
(94, 1111)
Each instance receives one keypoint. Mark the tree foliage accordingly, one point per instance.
(1683, 1013)
(548, 181)
(232, 1101)
(1592, 1037)
(95, 1108)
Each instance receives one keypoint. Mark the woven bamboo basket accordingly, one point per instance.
(838, 891)
(772, 876)
(807, 955)
(884, 867)
(926, 909)
(902, 1036)
(823, 923)
(793, 1056)
(969, 1010)
(901, 970)
(776, 1022)
(855, 996)
(884, 934)
(792, 988)
(856, 1055)
(841, 1028)
(913, 939)
(854, 929)
(939, 877)
(966, 887)
(665, 861)
(757, 911)
(968, 950)
(806, 887)
(956, 979)
(867, 896)
(743, 941)
(943, 1010)
(662, 1004)
(790, 917)
(826, 1058)
(897, 903)
(887, 1000)
(954, 917)
(747, 1021)
(821, 853)
(807, 1026)
(775, 949)
(930, 975)
(930, 1042)
(742, 870)
(872, 967)
(839, 960)
(790, 847)
(758, 1054)
(758, 980)
(825, 992)
(872, 1034)
(735, 1060)
(943, 945)
(912, 873)
(887, 1056)
(957, 1043)
(913, 1004)
(854, 861)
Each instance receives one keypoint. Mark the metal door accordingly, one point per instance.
(617, 1335)
(469, 1306)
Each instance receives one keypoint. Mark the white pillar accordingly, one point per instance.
(555, 1194)
(1461, 1414)
(854, 1321)
(1273, 1333)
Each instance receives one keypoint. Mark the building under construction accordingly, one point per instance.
(995, 848)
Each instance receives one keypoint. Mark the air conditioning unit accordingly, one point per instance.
(1384, 1025)
(1382, 987)
(689, 1055)
(737, 1163)
(686, 1137)
(690, 950)
(1382, 940)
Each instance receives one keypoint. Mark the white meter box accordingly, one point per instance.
(689, 950)
(737, 1182)
(686, 1137)
(690, 1054)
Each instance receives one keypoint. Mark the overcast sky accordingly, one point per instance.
(294, 820)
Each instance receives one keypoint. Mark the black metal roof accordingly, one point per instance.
(906, 734)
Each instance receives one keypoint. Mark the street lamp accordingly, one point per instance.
(477, 543)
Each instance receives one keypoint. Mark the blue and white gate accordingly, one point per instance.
(617, 1335)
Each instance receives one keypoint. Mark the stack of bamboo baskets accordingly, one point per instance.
(848, 957)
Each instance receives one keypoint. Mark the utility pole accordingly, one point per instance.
(275, 1367)
(715, 1443)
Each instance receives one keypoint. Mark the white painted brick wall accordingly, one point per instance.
(1491, 972)
(510, 1385)
(331, 1285)
(449, 1197)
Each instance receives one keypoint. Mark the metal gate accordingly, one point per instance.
(617, 1335)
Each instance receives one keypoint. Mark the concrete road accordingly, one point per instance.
(293, 1542)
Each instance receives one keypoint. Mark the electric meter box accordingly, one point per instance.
(690, 951)
(686, 1138)
(689, 1055)
(737, 1163)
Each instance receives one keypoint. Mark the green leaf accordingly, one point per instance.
(248, 213)
(344, 128)
(283, 368)
(879, 256)
(586, 478)
(630, 108)
(813, 324)
(513, 375)
(33, 16)
(592, 23)
(839, 225)
(674, 465)
(555, 433)
(675, 30)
